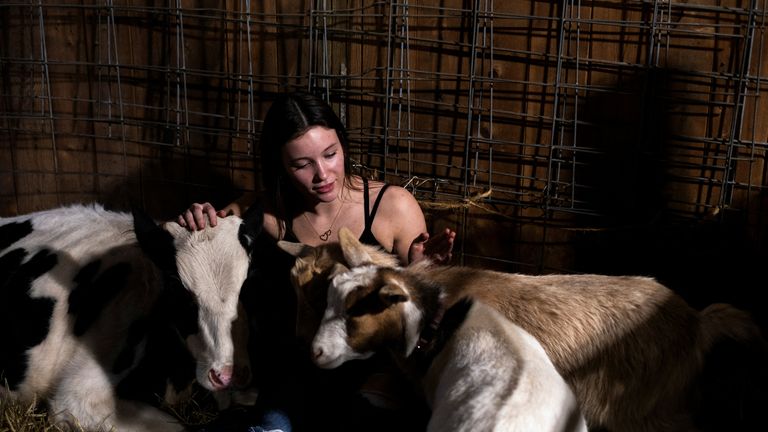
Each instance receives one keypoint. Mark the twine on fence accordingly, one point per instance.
(474, 201)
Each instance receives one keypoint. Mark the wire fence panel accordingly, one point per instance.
(586, 136)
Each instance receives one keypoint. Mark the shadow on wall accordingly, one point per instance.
(705, 259)
(168, 184)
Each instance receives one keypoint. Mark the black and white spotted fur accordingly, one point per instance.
(104, 314)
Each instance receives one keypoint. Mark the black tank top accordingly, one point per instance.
(367, 236)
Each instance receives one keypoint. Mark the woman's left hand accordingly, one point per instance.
(437, 248)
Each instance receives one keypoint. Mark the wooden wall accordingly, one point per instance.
(615, 137)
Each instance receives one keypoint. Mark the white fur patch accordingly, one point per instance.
(494, 376)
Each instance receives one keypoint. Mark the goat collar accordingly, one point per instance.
(434, 336)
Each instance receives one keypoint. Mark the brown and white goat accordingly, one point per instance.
(631, 349)
(478, 370)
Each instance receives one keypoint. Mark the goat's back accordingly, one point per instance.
(630, 347)
(494, 376)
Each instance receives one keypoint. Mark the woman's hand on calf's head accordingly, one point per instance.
(194, 217)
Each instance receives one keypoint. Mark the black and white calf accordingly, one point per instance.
(104, 314)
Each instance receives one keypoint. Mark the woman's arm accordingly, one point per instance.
(411, 241)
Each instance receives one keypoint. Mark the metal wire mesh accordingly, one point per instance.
(567, 115)
(527, 125)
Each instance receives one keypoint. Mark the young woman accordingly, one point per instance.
(309, 193)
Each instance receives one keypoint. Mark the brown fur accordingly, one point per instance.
(371, 317)
(313, 269)
(630, 348)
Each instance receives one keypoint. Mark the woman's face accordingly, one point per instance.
(315, 163)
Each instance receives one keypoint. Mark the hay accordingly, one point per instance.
(17, 416)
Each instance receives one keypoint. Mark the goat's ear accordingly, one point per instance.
(392, 293)
(338, 268)
(354, 252)
(295, 249)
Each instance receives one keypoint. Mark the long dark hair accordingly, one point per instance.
(289, 117)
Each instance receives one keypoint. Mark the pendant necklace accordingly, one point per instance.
(327, 233)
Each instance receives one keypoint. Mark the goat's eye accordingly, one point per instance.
(350, 309)
(362, 303)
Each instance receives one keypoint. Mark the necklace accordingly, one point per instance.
(327, 233)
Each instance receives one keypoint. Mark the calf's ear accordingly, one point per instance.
(253, 222)
(154, 241)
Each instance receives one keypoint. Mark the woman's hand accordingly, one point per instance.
(437, 248)
(194, 218)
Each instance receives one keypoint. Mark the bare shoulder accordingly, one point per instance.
(402, 214)
(395, 200)
(396, 206)
(271, 224)
(399, 200)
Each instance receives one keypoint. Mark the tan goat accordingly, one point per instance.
(630, 348)
(479, 372)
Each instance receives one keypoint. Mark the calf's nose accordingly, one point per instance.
(317, 352)
(220, 379)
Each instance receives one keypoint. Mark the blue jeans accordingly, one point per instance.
(249, 420)
(272, 420)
